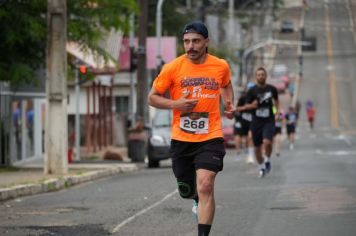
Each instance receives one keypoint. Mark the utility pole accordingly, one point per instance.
(231, 33)
(159, 32)
(142, 85)
(200, 15)
(300, 60)
(132, 79)
(56, 139)
(77, 116)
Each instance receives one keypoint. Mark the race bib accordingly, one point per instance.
(247, 116)
(262, 112)
(195, 122)
(238, 125)
(278, 124)
(292, 118)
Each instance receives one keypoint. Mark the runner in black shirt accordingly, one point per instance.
(242, 130)
(291, 124)
(261, 99)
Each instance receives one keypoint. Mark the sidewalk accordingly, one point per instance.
(28, 178)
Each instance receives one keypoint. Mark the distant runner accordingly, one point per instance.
(242, 130)
(310, 110)
(291, 124)
(261, 99)
(279, 122)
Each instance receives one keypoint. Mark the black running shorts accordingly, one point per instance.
(277, 130)
(241, 127)
(290, 129)
(262, 129)
(187, 157)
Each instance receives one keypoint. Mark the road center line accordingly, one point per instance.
(123, 223)
(332, 77)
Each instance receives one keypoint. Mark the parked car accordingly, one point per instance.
(228, 132)
(287, 27)
(159, 140)
(279, 77)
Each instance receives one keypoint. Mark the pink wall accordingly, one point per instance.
(168, 51)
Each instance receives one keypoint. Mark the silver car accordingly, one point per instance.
(159, 141)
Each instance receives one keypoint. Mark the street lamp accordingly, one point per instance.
(261, 45)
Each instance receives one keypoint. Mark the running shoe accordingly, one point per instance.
(291, 146)
(249, 159)
(195, 209)
(261, 173)
(268, 167)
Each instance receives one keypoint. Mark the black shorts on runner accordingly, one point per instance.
(262, 129)
(277, 130)
(241, 128)
(290, 129)
(187, 157)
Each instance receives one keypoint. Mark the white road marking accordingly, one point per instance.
(123, 223)
(335, 153)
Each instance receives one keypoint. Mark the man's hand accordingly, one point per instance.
(184, 104)
(240, 109)
(229, 110)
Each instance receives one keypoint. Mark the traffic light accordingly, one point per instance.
(133, 59)
(82, 74)
(83, 70)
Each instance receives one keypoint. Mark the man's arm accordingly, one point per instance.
(227, 95)
(248, 106)
(276, 104)
(276, 99)
(157, 100)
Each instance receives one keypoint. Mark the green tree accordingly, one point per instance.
(23, 31)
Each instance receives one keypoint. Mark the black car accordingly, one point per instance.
(159, 140)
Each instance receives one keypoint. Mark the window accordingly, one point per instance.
(122, 104)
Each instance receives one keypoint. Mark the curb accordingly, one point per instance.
(56, 184)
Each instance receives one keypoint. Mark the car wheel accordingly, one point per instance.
(153, 163)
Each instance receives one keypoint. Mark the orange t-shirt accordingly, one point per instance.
(203, 82)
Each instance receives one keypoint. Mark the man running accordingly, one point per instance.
(195, 82)
(242, 129)
(261, 100)
(277, 139)
(310, 114)
(291, 124)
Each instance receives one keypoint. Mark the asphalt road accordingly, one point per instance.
(311, 191)
(330, 72)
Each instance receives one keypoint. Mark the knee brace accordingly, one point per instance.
(187, 188)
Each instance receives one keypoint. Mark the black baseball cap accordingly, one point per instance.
(196, 27)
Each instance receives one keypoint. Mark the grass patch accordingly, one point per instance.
(90, 157)
(8, 169)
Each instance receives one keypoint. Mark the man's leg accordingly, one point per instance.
(268, 147)
(205, 188)
(258, 154)
(257, 138)
(206, 207)
(238, 144)
(277, 143)
(268, 133)
(250, 147)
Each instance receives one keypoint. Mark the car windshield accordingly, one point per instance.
(162, 118)
(279, 70)
(279, 73)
